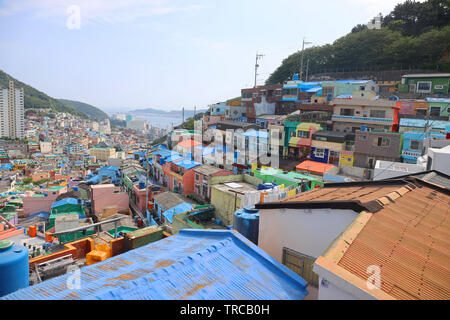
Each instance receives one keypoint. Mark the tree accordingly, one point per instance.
(359, 27)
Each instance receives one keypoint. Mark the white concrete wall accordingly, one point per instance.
(306, 231)
(328, 291)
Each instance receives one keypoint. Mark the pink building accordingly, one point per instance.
(108, 195)
(140, 194)
(34, 203)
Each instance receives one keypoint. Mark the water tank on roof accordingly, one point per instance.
(246, 222)
(75, 188)
(141, 185)
(13, 267)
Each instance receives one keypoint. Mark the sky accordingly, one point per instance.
(121, 55)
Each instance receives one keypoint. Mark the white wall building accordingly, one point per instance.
(12, 112)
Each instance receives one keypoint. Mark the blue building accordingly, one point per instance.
(218, 109)
(194, 264)
(413, 144)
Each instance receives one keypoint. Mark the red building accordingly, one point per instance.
(250, 96)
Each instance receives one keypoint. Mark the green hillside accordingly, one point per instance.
(35, 98)
(89, 110)
(414, 35)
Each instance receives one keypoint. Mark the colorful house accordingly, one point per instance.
(438, 107)
(179, 175)
(332, 146)
(413, 144)
(300, 138)
(202, 187)
(425, 83)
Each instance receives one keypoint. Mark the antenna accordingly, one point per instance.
(258, 57)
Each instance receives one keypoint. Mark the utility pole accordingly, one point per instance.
(427, 128)
(307, 67)
(301, 62)
(146, 187)
(258, 57)
(182, 122)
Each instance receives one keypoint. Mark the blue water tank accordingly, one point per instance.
(142, 185)
(13, 267)
(75, 188)
(246, 222)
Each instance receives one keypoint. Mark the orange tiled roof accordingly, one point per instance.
(314, 166)
(188, 143)
(409, 239)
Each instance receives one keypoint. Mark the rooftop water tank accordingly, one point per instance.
(75, 188)
(246, 222)
(13, 267)
(141, 185)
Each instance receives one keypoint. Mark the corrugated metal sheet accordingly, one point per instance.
(195, 264)
(410, 241)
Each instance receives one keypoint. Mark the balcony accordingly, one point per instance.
(362, 119)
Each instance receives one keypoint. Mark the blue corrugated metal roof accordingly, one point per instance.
(182, 207)
(194, 264)
(436, 124)
(438, 100)
(163, 153)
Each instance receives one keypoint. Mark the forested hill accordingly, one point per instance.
(36, 99)
(414, 35)
(89, 110)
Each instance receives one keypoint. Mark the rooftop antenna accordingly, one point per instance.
(258, 57)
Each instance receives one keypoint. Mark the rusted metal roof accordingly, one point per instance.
(194, 264)
(408, 239)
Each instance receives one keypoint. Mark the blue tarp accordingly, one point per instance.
(64, 201)
(188, 164)
(182, 207)
(6, 167)
(199, 264)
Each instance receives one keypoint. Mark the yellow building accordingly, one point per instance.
(102, 154)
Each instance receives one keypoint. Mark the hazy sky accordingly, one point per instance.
(132, 54)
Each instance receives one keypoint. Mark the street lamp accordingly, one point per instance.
(301, 63)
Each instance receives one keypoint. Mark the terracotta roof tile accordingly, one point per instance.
(409, 240)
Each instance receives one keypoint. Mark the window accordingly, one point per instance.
(423, 87)
(290, 92)
(255, 95)
(278, 92)
(301, 264)
(246, 95)
(363, 138)
(197, 177)
(270, 93)
(347, 112)
(435, 111)
(377, 113)
(381, 142)
(302, 134)
(439, 87)
(319, 153)
(292, 134)
(415, 145)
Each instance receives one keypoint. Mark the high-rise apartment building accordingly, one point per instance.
(12, 112)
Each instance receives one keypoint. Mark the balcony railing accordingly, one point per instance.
(361, 119)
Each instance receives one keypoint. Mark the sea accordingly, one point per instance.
(163, 122)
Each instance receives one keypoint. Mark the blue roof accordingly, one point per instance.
(436, 124)
(438, 100)
(112, 168)
(188, 164)
(194, 264)
(182, 207)
(256, 133)
(174, 157)
(163, 153)
(64, 201)
(6, 166)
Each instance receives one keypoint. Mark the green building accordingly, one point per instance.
(288, 178)
(425, 83)
(439, 107)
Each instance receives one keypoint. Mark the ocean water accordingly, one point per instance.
(162, 122)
